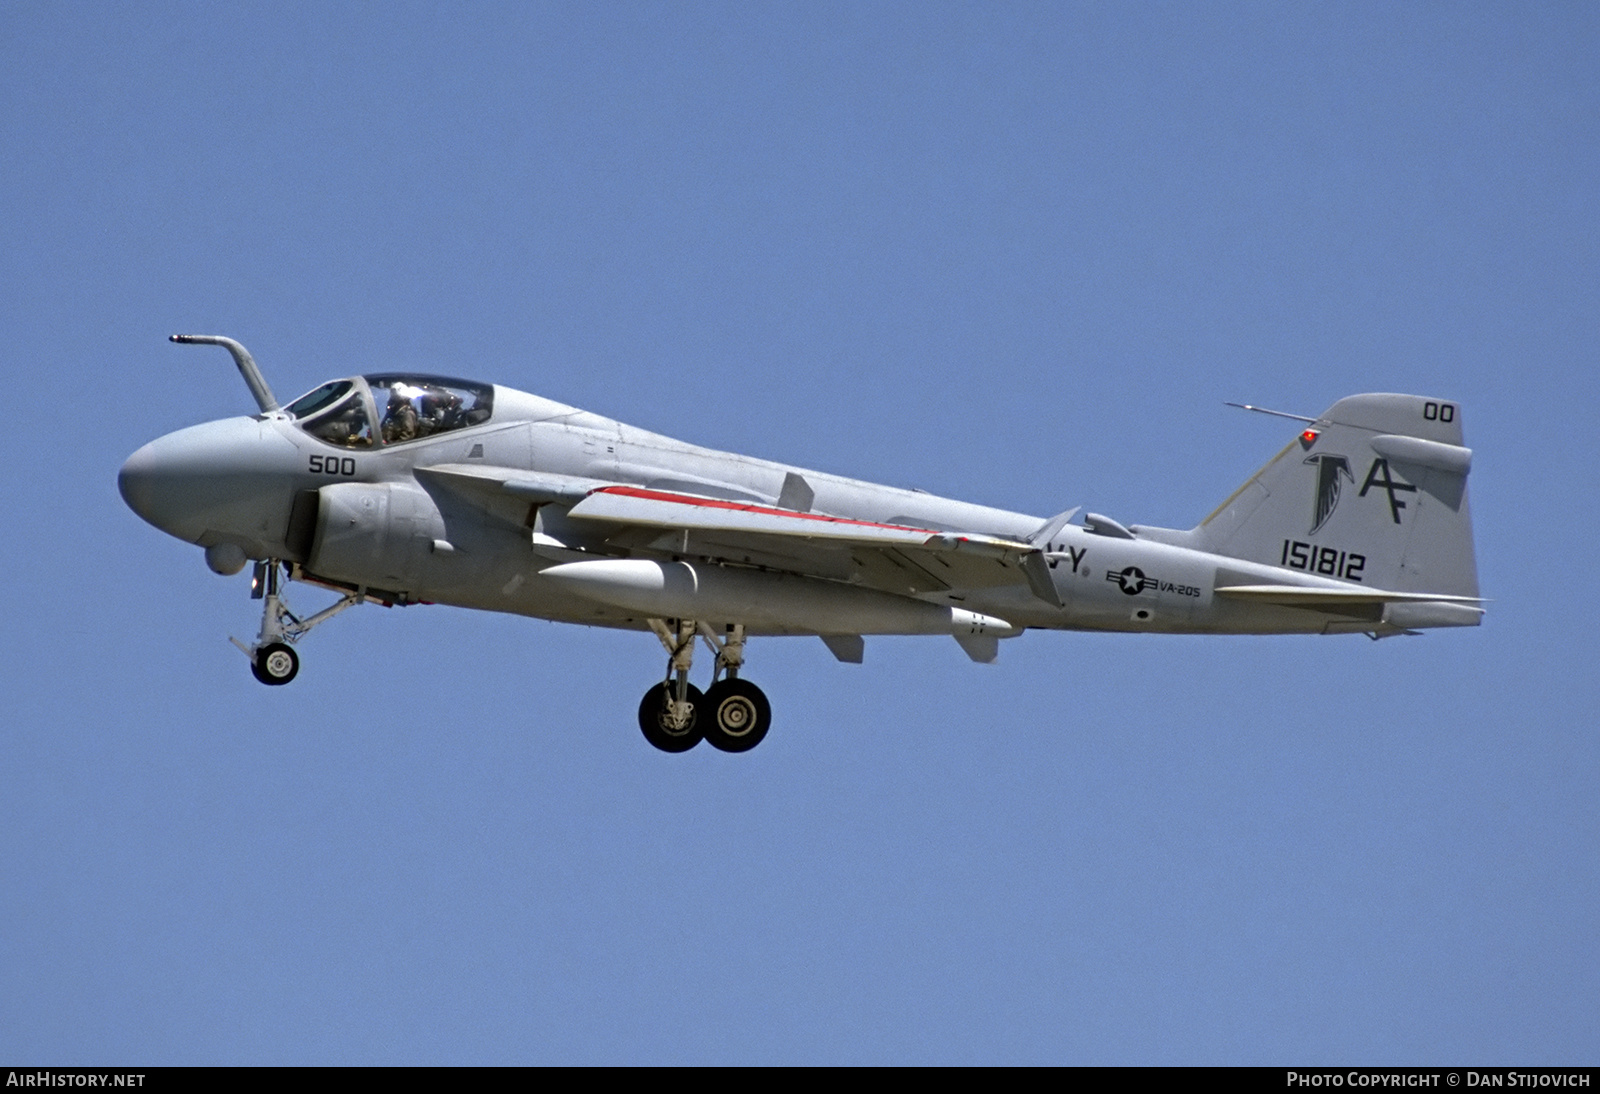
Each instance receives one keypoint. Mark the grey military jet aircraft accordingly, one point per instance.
(402, 488)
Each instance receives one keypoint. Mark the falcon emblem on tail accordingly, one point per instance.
(1329, 468)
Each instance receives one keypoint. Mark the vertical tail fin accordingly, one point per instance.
(1375, 490)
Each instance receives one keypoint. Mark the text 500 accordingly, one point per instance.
(333, 465)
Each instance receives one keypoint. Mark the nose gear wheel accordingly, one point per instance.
(275, 663)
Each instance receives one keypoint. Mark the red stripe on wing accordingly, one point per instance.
(745, 507)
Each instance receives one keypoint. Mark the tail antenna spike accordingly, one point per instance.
(1274, 413)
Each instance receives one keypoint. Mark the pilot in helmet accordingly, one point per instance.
(400, 417)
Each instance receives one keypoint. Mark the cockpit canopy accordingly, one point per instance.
(391, 408)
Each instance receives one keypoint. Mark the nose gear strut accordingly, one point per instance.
(272, 658)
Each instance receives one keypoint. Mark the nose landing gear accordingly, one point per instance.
(272, 660)
(674, 715)
(275, 663)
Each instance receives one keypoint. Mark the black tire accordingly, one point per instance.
(736, 715)
(275, 664)
(652, 720)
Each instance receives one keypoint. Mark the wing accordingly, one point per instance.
(593, 516)
(891, 557)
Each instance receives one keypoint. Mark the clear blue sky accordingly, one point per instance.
(1014, 253)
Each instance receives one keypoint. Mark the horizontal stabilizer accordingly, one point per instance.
(1300, 596)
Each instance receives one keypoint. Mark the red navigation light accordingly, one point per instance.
(1308, 436)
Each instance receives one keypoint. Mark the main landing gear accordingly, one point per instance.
(733, 714)
(272, 658)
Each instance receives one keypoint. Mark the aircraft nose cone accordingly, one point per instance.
(140, 484)
(229, 477)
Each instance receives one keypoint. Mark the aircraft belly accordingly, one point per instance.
(520, 590)
(764, 600)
